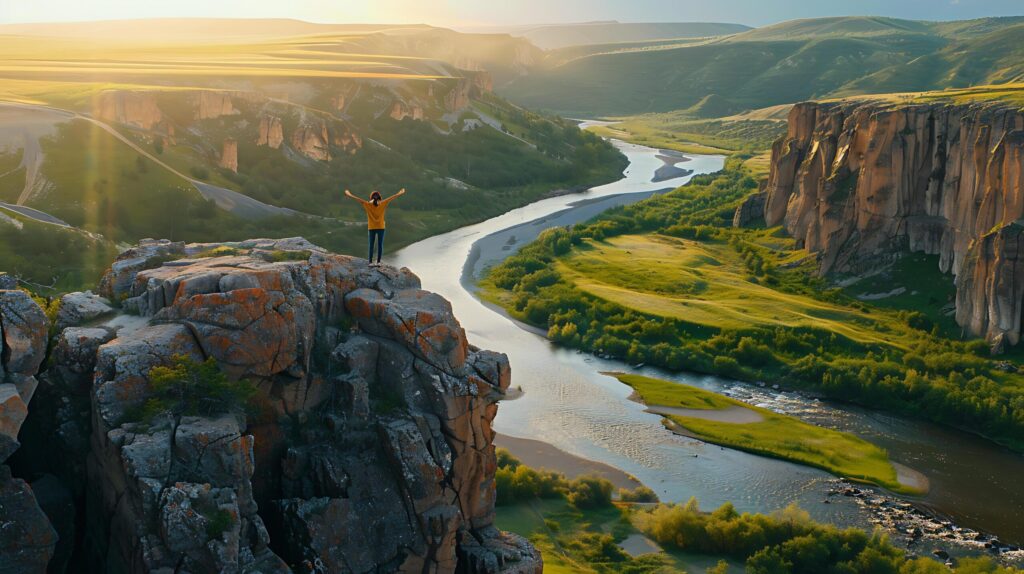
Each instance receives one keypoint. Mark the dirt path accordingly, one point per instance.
(31, 160)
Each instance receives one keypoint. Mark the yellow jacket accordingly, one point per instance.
(375, 213)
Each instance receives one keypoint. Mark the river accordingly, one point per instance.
(567, 401)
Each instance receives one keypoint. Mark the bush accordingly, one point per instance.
(638, 494)
(191, 388)
(199, 172)
(590, 492)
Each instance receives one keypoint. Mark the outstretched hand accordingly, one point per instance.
(400, 192)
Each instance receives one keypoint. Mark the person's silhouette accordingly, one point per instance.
(375, 209)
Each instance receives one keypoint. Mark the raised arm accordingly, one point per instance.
(400, 193)
(349, 194)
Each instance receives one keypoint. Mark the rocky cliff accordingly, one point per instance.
(229, 155)
(365, 446)
(271, 132)
(859, 182)
(138, 109)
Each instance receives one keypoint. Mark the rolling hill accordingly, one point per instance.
(779, 64)
(561, 36)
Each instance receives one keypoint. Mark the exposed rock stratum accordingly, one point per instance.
(368, 447)
(859, 182)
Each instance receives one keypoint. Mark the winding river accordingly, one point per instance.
(568, 403)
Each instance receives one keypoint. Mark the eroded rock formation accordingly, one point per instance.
(368, 447)
(229, 155)
(401, 110)
(271, 132)
(312, 140)
(859, 182)
(138, 109)
(211, 105)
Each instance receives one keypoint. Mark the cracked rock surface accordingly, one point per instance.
(368, 447)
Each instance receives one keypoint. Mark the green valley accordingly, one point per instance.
(669, 282)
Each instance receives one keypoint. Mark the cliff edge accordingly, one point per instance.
(365, 446)
(859, 182)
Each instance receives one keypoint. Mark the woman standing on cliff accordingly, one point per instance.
(375, 209)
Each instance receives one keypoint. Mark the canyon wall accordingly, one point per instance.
(366, 445)
(859, 182)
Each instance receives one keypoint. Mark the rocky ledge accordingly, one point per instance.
(366, 445)
(860, 182)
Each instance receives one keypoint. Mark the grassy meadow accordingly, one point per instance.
(776, 435)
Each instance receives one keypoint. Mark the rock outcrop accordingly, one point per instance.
(367, 445)
(27, 539)
(271, 132)
(858, 182)
(211, 105)
(312, 140)
(751, 211)
(401, 110)
(138, 109)
(229, 155)
(457, 97)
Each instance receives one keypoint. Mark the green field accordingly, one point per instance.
(705, 282)
(688, 132)
(776, 435)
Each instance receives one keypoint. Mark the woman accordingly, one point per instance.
(375, 209)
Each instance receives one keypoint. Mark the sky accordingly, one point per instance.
(469, 13)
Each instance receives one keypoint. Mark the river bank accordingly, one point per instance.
(567, 403)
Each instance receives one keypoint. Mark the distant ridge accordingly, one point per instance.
(554, 36)
(184, 28)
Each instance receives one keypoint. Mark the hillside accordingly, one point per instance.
(220, 141)
(561, 36)
(780, 64)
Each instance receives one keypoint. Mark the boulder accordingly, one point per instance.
(80, 308)
(7, 282)
(24, 329)
(27, 540)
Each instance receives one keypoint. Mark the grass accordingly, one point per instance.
(683, 131)
(778, 436)
(705, 283)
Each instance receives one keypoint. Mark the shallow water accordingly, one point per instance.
(570, 404)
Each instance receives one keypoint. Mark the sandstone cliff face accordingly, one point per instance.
(370, 450)
(229, 155)
(271, 132)
(138, 109)
(211, 105)
(857, 182)
(312, 140)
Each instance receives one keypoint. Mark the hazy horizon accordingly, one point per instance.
(469, 14)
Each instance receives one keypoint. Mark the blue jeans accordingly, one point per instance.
(378, 235)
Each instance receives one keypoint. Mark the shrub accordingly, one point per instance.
(199, 172)
(638, 494)
(590, 492)
(191, 388)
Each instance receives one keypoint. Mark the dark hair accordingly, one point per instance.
(375, 196)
